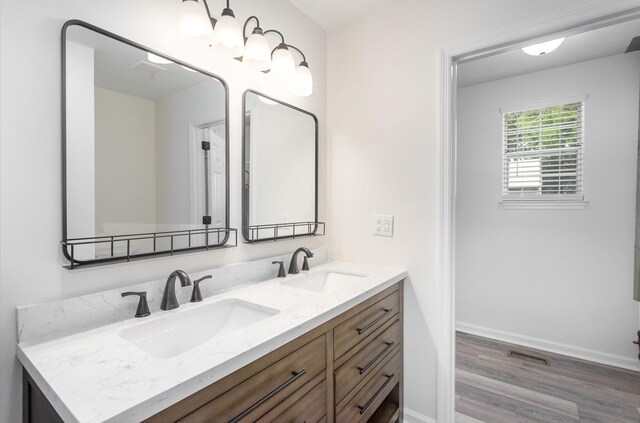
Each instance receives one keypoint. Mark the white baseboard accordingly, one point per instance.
(411, 416)
(554, 347)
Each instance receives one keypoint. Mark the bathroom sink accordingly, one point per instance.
(177, 332)
(325, 280)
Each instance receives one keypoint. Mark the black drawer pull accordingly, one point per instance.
(363, 408)
(245, 413)
(364, 368)
(373, 322)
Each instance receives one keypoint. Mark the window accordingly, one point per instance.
(542, 153)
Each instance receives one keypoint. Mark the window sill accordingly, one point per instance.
(544, 204)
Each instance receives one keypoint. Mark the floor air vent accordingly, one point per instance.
(527, 357)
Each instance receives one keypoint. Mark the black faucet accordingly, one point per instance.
(281, 273)
(196, 295)
(293, 266)
(169, 300)
(143, 306)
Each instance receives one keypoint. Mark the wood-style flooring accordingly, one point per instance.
(494, 388)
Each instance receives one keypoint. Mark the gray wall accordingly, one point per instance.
(557, 279)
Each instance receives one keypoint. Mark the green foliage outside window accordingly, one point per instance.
(546, 144)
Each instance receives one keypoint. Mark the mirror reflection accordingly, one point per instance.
(137, 131)
(280, 170)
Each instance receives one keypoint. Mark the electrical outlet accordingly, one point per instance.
(382, 225)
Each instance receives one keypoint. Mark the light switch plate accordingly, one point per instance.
(383, 225)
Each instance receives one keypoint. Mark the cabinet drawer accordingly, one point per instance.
(255, 396)
(362, 363)
(311, 408)
(369, 398)
(362, 324)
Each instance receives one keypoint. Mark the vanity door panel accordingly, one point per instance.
(255, 396)
(310, 408)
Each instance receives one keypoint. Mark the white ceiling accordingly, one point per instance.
(332, 13)
(113, 60)
(590, 45)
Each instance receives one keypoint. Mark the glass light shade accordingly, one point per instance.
(257, 53)
(193, 20)
(543, 48)
(303, 81)
(154, 58)
(282, 62)
(227, 36)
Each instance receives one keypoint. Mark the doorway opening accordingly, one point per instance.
(582, 21)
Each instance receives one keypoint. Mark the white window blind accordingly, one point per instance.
(542, 153)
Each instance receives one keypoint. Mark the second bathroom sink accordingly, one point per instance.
(325, 280)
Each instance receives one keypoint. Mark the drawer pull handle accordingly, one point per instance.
(294, 376)
(363, 408)
(373, 322)
(364, 368)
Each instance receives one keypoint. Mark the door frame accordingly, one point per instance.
(577, 20)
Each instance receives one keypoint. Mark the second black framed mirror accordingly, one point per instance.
(279, 170)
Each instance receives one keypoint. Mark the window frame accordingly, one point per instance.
(543, 201)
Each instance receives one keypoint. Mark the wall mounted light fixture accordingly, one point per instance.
(227, 36)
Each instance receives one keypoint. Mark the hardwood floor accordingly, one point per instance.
(494, 388)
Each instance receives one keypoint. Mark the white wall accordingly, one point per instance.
(556, 276)
(125, 151)
(383, 155)
(30, 161)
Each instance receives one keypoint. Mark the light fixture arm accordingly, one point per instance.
(244, 28)
(274, 31)
(304, 58)
(211, 20)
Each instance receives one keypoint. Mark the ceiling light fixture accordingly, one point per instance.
(543, 48)
(255, 52)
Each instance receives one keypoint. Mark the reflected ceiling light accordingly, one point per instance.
(188, 68)
(191, 19)
(255, 50)
(543, 48)
(154, 58)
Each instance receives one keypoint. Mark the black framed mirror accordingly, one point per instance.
(145, 151)
(280, 170)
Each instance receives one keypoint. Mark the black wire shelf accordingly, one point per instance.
(131, 247)
(277, 231)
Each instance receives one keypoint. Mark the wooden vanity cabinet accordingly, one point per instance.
(348, 370)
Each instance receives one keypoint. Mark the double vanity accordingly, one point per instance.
(145, 174)
(324, 345)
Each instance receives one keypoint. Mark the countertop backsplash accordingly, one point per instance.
(85, 312)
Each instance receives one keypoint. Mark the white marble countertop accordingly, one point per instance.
(98, 376)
